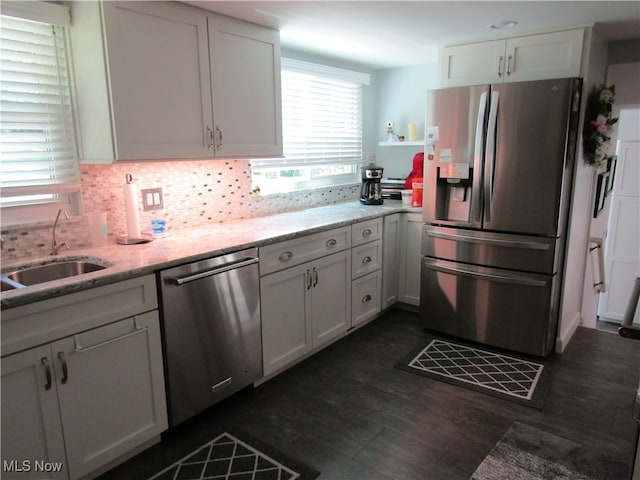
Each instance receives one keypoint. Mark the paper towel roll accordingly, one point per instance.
(131, 208)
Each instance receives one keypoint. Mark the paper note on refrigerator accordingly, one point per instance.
(445, 155)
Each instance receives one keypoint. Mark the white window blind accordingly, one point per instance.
(38, 157)
(322, 129)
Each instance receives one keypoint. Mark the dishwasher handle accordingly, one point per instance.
(225, 267)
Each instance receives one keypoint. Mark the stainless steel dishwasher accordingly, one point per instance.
(211, 331)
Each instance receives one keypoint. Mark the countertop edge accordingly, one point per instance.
(271, 229)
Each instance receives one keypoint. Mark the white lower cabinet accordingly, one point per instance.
(304, 307)
(391, 258)
(409, 274)
(94, 396)
(365, 298)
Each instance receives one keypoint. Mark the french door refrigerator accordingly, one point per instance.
(498, 170)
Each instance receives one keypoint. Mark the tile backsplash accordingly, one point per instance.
(195, 193)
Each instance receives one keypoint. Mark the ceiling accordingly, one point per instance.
(389, 34)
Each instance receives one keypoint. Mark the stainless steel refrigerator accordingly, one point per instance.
(498, 170)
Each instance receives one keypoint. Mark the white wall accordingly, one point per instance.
(400, 97)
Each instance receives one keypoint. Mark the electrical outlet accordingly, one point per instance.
(151, 198)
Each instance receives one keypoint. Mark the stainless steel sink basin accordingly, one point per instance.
(55, 270)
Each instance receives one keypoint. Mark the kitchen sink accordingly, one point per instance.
(55, 270)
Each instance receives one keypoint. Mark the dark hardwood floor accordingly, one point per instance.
(350, 414)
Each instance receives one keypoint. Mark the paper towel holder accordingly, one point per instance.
(126, 240)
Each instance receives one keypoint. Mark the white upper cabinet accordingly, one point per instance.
(532, 57)
(159, 80)
(245, 72)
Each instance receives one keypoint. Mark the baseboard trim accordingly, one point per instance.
(563, 339)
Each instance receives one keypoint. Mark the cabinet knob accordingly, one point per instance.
(367, 232)
(285, 256)
(366, 298)
(332, 242)
(366, 260)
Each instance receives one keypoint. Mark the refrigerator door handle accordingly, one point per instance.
(488, 241)
(490, 165)
(477, 157)
(506, 277)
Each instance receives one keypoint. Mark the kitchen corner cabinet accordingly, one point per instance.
(409, 259)
(160, 80)
(390, 259)
(85, 400)
(531, 57)
(304, 305)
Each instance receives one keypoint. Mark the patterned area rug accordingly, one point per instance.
(505, 376)
(528, 453)
(227, 457)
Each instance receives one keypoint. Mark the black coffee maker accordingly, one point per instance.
(371, 190)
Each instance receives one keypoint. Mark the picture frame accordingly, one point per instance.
(612, 163)
(601, 189)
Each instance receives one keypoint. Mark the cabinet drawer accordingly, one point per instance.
(366, 258)
(34, 324)
(365, 298)
(368, 231)
(299, 250)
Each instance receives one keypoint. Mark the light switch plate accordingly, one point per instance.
(151, 198)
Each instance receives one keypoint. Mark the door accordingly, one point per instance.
(285, 298)
(245, 73)
(455, 124)
(31, 428)
(622, 255)
(331, 297)
(472, 64)
(528, 164)
(160, 85)
(111, 391)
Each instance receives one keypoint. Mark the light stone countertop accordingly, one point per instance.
(185, 246)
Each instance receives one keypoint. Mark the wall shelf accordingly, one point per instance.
(401, 144)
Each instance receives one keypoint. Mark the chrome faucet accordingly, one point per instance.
(55, 247)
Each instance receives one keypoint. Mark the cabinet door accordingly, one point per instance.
(549, 55)
(286, 316)
(111, 391)
(160, 85)
(331, 297)
(245, 72)
(410, 237)
(390, 259)
(31, 428)
(472, 64)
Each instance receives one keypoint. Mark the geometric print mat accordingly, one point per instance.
(227, 458)
(501, 375)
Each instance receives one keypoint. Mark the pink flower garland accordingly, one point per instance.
(598, 125)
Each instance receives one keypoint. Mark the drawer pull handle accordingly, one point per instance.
(285, 256)
(366, 260)
(81, 349)
(332, 242)
(366, 298)
(367, 232)
(47, 372)
(65, 371)
(315, 276)
(309, 281)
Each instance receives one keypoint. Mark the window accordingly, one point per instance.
(38, 155)
(322, 130)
